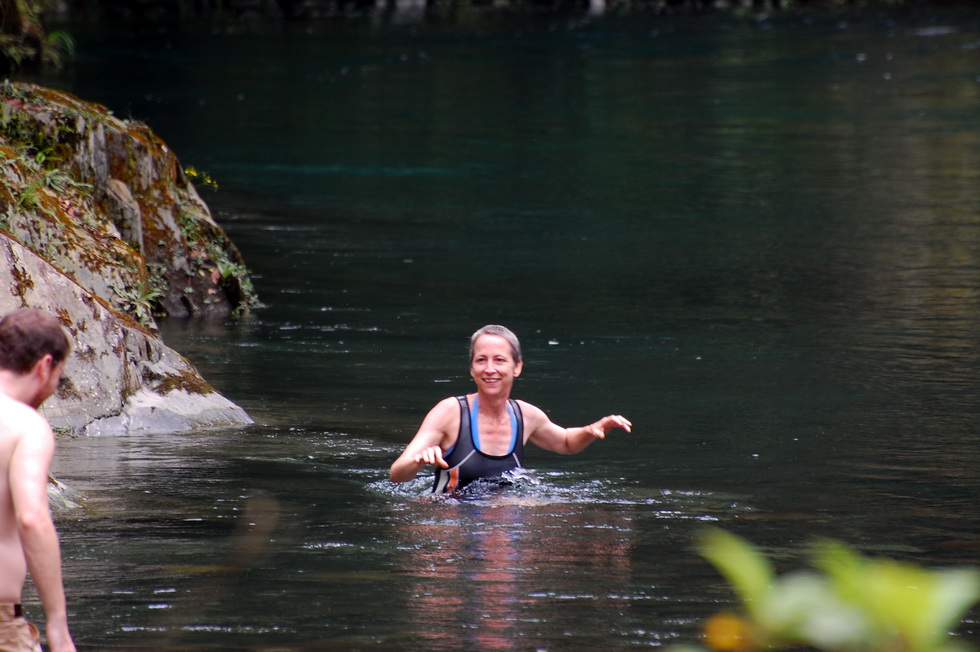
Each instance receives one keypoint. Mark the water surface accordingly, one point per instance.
(757, 237)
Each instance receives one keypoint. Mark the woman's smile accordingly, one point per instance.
(493, 362)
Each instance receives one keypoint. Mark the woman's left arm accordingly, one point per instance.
(542, 432)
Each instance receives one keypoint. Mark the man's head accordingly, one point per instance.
(27, 335)
(34, 347)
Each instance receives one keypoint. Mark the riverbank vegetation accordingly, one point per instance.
(25, 40)
(107, 203)
(316, 8)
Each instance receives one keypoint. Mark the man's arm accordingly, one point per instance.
(29, 468)
(437, 432)
(549, 436)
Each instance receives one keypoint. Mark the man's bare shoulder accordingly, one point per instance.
(18, 419)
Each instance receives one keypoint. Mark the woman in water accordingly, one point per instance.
(482, 435)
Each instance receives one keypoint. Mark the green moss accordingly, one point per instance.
(61, 432)
(211, 253)
(47, 203)
(187, 381)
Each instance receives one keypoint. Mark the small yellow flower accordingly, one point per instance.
(726, 632)
(203, 178)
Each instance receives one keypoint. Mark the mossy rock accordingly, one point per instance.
(108, 203)
(120, 377)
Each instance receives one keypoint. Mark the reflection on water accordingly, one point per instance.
(294, 538)
(269, 537)
(494, 573)
(754, 235)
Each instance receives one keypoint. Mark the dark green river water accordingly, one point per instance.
(757, 237)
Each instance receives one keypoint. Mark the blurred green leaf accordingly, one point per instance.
(749, 573)
(849, 603)
(912, 607)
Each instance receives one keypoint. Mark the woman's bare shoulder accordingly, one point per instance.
(531, 412)
(444, 412)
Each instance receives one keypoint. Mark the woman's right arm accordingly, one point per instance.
(436, 435)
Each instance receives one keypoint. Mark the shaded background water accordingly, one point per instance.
(758, 237)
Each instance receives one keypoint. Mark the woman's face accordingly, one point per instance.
(493, 367)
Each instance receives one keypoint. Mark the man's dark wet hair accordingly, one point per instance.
(29, 334)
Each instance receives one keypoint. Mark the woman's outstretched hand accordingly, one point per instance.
(600, 428)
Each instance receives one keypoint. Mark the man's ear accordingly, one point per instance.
(43, 368)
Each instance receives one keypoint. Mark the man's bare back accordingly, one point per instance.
(33, 353)
(17, 423)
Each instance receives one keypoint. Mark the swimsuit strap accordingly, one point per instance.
(475, 427)
(467, 463)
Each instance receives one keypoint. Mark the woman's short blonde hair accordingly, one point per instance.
(499, 331)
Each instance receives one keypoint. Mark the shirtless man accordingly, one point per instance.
(33, 351)
(483, 434)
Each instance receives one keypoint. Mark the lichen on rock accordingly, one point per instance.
(120, 377)
(100, 225)
(108, 203)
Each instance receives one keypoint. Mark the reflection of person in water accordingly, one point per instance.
(513, 573)
(482, 435)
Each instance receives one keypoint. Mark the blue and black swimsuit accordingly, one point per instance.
(465, 459)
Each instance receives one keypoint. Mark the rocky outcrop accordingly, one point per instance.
(108, 203)
(100, 225)
(120, 377)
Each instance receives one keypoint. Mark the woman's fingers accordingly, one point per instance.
(432, 456)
